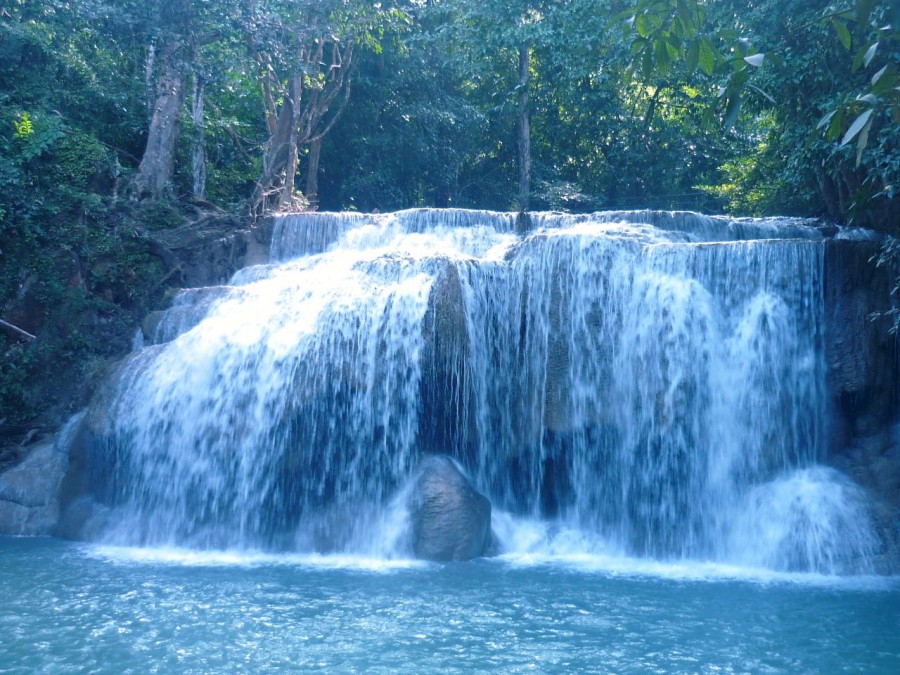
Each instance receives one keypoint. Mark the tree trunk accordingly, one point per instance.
(524, 128)
(301, 118)
(149, 69)
(198, 151)
(281, 151)
(158, 163)
(290, 169)
(312, 175)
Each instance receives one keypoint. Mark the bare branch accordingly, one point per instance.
(17, 330)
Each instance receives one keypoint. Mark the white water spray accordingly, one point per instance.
(617, 377)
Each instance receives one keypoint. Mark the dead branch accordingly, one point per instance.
(17, 330)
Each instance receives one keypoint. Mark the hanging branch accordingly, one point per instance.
(17, 330)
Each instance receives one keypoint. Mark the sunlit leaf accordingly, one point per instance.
(642, 26)
(756, 60)
(858, 59)
(826, 119)
(887, 83)
(673, 50)
(870, 54)
(856, 127)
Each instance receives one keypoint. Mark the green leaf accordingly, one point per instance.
(877, 76)
(707, 57)
(842, 33)
(856, 127)
(886, 83)
(766, 96)
(863, 141)
(662, 56)
(836, 124)
(858, 59)
(756, 60)
(693, 55)
(871, 99)
(732, 110)
(706, 120)
(642, 25)
(673, 50)
(647, 65)
(687, 21)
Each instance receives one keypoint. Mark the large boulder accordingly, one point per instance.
(29, 491)
(450, 519)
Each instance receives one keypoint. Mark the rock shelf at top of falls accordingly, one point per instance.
(667, 384)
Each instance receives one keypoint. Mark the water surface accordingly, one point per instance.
(68, 607)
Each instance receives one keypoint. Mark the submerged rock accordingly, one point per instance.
(450, 519)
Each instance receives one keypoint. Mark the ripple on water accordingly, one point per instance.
(75, 608)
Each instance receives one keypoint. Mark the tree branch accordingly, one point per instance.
(17, 330)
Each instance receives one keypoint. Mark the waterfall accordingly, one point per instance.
(654, 381)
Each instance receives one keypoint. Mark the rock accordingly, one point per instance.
(210, 249)
(83, 520)
(450, 519)
(446, 426)
(29, 502)
(860, 352)
(863, 368)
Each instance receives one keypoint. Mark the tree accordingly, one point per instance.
(489, 33)
(792, 55)
(305, 54)
(175, 32)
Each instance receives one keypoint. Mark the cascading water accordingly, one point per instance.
(651, 381)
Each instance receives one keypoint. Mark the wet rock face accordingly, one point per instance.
(861, 354)
(208, 251)
(445, 401)
(863, 380)
(450, 519)
(28, 491)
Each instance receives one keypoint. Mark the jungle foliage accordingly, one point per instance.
(116, 115)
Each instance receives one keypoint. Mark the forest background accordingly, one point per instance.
(121, 119)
